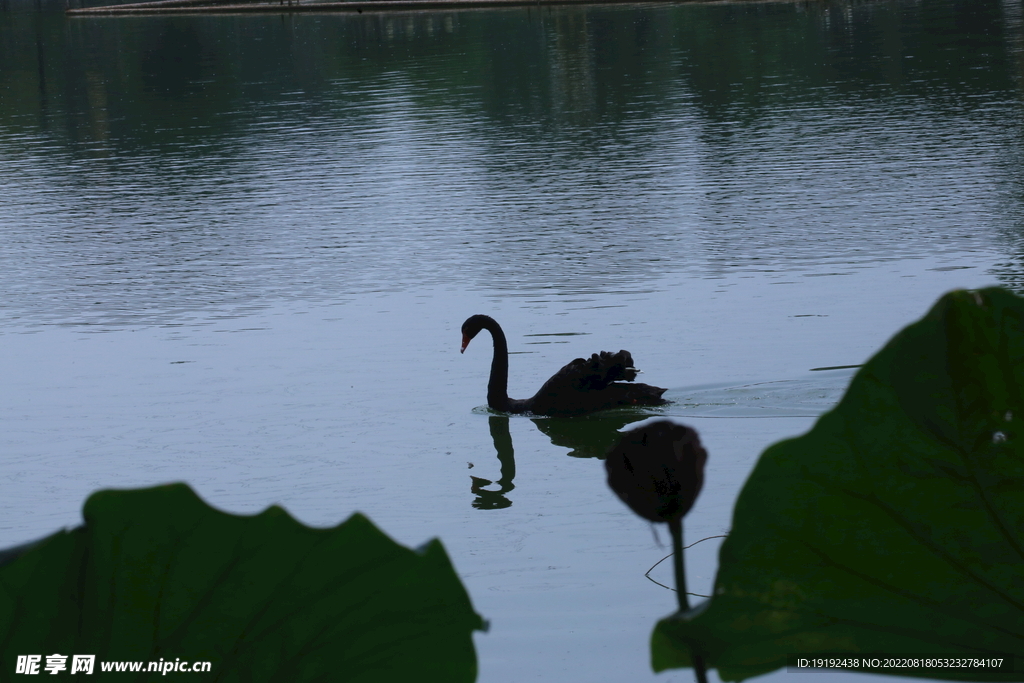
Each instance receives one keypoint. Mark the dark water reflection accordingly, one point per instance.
(588, 436)
(489, 499)
(160, 168)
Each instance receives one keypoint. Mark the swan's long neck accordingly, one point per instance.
(497, 385)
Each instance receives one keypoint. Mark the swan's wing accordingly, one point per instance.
(600, 370)
(594, 373)
(583, 385)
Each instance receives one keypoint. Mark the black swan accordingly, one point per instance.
(582, 386)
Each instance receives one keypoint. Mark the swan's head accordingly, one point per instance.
(472, 327)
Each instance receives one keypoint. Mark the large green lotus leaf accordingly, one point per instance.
(896, 525)
(157, 573)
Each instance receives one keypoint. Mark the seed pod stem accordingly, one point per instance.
(675, 527)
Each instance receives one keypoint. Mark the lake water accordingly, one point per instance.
(237, 251)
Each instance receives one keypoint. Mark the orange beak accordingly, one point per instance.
(465, 343)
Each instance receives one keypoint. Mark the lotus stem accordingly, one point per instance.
(675, 527)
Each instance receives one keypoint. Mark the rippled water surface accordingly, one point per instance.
(236, 251)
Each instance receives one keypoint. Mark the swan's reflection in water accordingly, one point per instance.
(502, 438)
(587, 436)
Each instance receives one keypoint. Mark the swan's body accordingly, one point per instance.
(582, 386)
